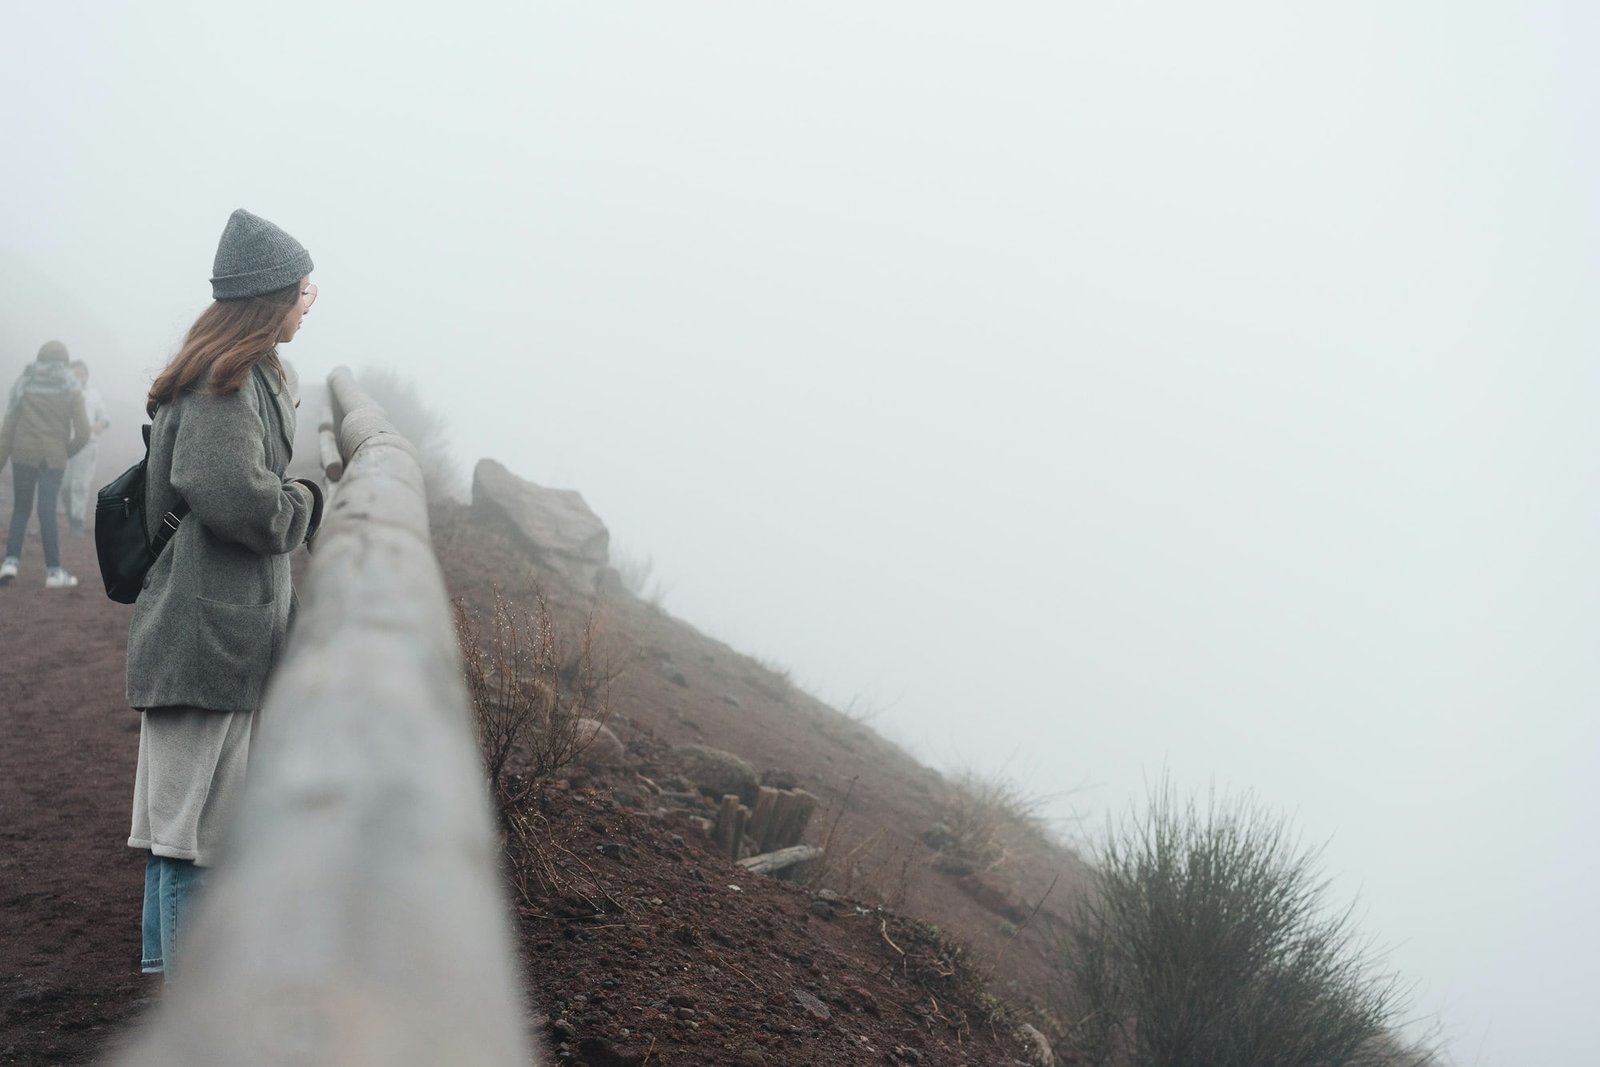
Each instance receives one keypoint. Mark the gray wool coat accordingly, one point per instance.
(215, 608)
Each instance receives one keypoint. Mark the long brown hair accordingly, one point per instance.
(228, 339)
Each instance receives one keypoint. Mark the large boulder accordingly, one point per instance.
(717, 773)
(554, 526)
(601, 747)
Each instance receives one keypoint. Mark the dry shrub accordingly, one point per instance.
(419, 423)
(529, 694)
(637, 575)
(546, 872)
(769, 679)
(982, 818)
(955, 989)
(1206, 939)
(881, 873)
(877, 870)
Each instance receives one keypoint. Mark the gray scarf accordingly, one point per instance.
(41, 378)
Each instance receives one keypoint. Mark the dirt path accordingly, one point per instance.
(70, 888)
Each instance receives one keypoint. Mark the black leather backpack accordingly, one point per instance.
(122, 537)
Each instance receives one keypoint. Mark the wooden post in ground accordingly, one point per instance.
(791, 815)
(741, 819)
(761, 818)
(727, 815)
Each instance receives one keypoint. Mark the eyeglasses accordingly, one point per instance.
(308, 295)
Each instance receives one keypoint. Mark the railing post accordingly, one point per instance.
(358, 916)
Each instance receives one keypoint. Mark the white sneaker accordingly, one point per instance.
(57, 578)
(8, 570)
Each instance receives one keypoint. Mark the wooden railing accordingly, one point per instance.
(358, 915)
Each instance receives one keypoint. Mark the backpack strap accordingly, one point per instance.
(172, 519)
(169, 526)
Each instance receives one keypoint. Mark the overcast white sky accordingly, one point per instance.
(1103, 388)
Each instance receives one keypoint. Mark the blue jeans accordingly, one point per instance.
(169, 889)
(24, 480)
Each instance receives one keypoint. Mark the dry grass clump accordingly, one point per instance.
(955, 990)
(637, 575)
(422, 425)
(1206, 938)
(879, 870)
(531, 696)
(982, 819)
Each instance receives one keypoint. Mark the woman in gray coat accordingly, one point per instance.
(214, 611)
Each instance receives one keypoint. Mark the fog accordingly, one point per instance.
(1096, 391)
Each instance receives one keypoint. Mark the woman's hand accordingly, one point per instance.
(316, 509)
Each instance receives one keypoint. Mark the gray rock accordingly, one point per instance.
(812, 1006)
(1040, 1053)
(715, 772)
(554, 526)
(603, 749)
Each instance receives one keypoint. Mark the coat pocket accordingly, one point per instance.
(233, 647)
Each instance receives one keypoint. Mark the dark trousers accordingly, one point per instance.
(25, 480)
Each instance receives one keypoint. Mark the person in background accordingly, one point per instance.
(81, 467)
(45, 426)
(216, 605)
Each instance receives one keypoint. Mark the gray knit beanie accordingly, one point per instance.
(255, 257)
(53, 352)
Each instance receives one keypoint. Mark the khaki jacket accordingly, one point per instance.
(215, 609)
(46, 430)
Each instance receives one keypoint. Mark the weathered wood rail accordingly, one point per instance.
(358, 916)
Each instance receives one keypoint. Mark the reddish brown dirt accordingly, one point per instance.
(70, 888)
(678, 686)
(642, 944)
(636, 950)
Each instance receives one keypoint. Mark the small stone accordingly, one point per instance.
(812, 1007)
(822, 909)
(827, 894)
(864, 1000)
